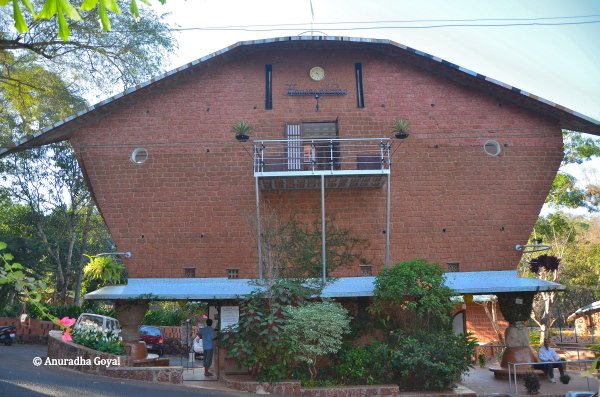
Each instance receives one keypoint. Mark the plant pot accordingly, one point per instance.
(401, 135)
(242, 137)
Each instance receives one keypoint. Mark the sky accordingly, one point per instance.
(559, 62)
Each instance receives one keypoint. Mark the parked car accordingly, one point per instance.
(153, 338)
(8, 334)
(105, 322)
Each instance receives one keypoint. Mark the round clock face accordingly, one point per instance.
(317, 73)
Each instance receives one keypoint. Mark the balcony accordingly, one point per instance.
(299, 163)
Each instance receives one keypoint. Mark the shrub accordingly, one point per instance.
(91, 335)
(482, 360)
(421, 350)
(258, 340)
(316, 329)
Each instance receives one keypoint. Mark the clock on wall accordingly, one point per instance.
(317, 73)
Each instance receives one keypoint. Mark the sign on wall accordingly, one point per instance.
(230, 316)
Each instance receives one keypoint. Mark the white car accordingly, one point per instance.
(107, 323)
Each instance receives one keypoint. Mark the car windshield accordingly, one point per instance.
(92, 320)
(150, 331)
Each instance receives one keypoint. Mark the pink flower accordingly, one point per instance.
(67, 322)
(67, 335)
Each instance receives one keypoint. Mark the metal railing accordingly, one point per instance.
(512, 375)
(305, 157)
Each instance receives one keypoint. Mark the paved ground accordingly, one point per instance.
(482, 381)
(20, 377)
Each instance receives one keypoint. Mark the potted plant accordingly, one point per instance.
(532, 382)
(400, 128)
(242, 129)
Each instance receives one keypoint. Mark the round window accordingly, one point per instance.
(492, 148)
(139, 155)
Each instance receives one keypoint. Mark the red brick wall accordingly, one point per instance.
(479, 324)
(32, 330)
(450, 201)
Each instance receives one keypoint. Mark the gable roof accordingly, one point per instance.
(566, 118)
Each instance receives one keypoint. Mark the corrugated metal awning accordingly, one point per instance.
(488, 282)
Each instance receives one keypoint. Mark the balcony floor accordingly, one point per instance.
(314, 182)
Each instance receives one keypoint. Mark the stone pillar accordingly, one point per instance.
(130, 314)
(516, 309)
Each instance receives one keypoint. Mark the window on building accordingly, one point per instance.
(268, 87)
(453, 267)
(233, 273)
(366, 270)
(360, 98)
(189, 272)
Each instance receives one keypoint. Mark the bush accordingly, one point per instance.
(316, 329)
(91, 335)
(258, 341)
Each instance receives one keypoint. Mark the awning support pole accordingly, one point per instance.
(258, 230)
(324, 259)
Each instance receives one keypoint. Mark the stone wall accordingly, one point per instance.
(86, 360)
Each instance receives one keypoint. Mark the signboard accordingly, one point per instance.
(230, 315)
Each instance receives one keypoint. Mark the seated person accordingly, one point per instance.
(548, 355)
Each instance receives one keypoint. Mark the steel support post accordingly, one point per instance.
(323, 237)
(258, 230)
(387, 223)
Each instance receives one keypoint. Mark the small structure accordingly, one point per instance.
(587, 320)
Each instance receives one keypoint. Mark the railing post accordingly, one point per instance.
(313, 154)
(331, 154)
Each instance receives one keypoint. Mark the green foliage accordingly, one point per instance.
(400, 125)
(66, 10)
(169, 313)
(91, 335)
(242, 127)
(423, 361)
(417, 289)
(294, 248)
(352, 366)
(259, 341)
(316, 329)
(565, 192)
(481, 360)
(13, 274)
(106, 269)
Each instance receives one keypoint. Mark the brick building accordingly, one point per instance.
(177, 190)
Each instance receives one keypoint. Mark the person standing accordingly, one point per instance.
(207, 334)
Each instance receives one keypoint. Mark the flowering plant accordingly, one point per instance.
(65, 324)
(91, 335)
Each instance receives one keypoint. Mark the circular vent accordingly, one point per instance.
(492, 148)
(139, 155)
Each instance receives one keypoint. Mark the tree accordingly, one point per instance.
(565, 192)
(421, 351)
(291, 248)
(89, 60)
(42, 80)
(63, 10)
(559, 232)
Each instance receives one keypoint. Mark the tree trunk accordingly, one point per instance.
(77, 299)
